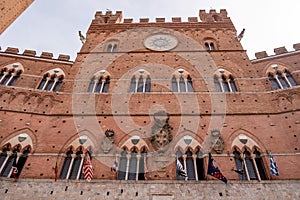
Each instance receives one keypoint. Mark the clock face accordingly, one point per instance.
(160, 42)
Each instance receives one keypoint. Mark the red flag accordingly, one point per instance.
(88, 172)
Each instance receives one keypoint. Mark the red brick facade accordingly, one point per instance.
(180, 109)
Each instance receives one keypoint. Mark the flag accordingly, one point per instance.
(88, 172)
(14, 170)
(179, 169)
(56, 171)
(214, 171)
(145, 168)
(273, 166)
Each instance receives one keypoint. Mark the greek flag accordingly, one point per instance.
(273, 166)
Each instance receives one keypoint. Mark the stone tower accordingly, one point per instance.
(10, 11)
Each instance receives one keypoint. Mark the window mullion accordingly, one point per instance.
(138, 157)
(46, 83)
(16, 160)
(70, 166)
(54, 83)
(11, 77)
(286, 79)
(96, 81)
(144, 84)
(127, 166)
(4, 75)
(186, 85)
(221, 84)
(229, 86)
(136, 84)
(178, 86)
(278, 82)
(80, 167)
(245, 168)
(102, 84)
(255, 167)
(184, 164)
(194, 156)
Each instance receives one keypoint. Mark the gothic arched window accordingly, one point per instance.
(72, 168)
(224, 81)
(99, 82)
(52, 80)
(140, 82)
(280, 77)
(182, 81)
(10, 74)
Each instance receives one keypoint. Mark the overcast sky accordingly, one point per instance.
(53, 25)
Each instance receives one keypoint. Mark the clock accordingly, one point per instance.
(160, 42)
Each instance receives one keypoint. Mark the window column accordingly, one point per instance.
(194, 156)
(70, 166)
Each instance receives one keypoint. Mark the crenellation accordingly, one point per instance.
(63, 57)
(144, 20)
(160, 19)
(192, 19)
(213, 16)
(128, 20)
(261, 54)
(46, 55)
(280, 50)
(28, 52)
(12, 50)
(296, 46)
(176, 19)
(109, 17)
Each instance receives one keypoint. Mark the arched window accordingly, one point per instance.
(72, 168)
(209, 46)
(132, 165)
(10, 74)
(182, 81)
(52, 80)
(99, 82)
(10, 159)
(193, 163)
(142, 83)
(248, 166)
(224, 81)
(111, 48)
(280, 77)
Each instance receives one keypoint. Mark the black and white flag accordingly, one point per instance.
(179, 169)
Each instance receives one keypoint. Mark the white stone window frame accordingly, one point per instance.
(54, 75)
(12, 69)
(223, 75)
(274, 69)
(129, 146)
(102, 75)
(181, 73)
(238, 145)
(183, 145)
(85, 144)
(141, 73)
(23, 141)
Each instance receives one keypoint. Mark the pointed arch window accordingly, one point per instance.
(8, 159)
(182, 81)
(100, 82)
(52, 80)
(72, 168)
(140, 82)
(250, 166)
(132, 165)
(280, 77)
(10, 74)
(224, 81)
(193, 163)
